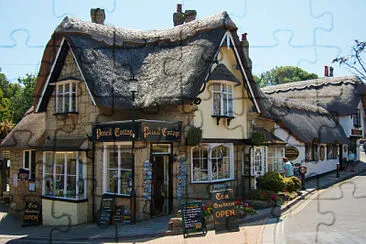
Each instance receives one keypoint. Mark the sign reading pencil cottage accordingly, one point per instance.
(140, 130)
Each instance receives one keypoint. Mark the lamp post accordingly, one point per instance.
(133, 89)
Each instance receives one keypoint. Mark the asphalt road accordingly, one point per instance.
(333, 215)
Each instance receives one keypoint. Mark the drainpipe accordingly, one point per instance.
(93, 179)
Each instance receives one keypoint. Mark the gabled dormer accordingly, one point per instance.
(227, 95)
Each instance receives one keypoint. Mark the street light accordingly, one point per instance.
(133, 89)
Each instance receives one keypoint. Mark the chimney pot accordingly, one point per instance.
(325, 71)
(97, 15)
(244, 36)
(331, 71)
(179, 8)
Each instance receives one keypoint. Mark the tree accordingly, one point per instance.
(283, 74)
(354, 62)
(23, 98)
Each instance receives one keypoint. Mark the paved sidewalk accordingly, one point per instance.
(10, 226)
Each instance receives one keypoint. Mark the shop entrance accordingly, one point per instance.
(161, 201)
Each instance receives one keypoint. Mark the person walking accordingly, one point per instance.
(351, 160)
(289, 169)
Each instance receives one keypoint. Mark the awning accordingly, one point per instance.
(65, 144)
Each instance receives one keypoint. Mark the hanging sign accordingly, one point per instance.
(139, 130)
(291, 153)
(193, 219)
(223, 208)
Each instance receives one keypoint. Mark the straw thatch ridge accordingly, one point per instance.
(338, 95)
(28, 133)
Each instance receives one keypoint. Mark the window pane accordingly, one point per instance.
(230, 104)
(33, 165)
(200, 164)
(81, 180)
(26, 159)
(71, 187)
(59, 184)
(126, 177)
(225, 103)
(216, 103)
(216, 87)
(71, 163)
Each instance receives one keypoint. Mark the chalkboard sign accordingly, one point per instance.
(193, 219)
(32, 213)
(224, 211)
(106, 210)
(118, 215)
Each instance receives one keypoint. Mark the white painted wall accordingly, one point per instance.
(313, 167)
(347, 124)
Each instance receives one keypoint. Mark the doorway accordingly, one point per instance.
(161, 201)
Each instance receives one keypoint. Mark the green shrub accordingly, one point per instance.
(271, 181)
(292, 184)
(262, 195)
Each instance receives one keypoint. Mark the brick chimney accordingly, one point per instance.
(326, 71)
(245, 46)
(97, 15)
(190, 15)
(331, 71)
(180, 18)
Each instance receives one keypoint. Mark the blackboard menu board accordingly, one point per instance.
(118, 214)
(193, 219)
(224, 211)
(32, 213)
(106, 210)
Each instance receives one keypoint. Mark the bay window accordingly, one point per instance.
(66, 97)
(117, 165)
(212, 163)
(222, 99)
(64, 175)
(275, 159)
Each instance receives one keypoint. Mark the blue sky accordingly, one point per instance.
(304, 33)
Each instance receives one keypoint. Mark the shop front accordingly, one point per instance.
(137, 159)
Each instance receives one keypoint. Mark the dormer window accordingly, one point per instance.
(357, 118)
(222, 100)
(66, 97)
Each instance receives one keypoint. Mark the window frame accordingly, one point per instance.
(119, 168)
(70, 94)
(210, 147)
(357, 118)
(80, 158)
(332, 151)
(225, 89)
(277, 157)
(31, 164)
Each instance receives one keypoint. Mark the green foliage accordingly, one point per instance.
(285, 74)
(194, 136)
(258, 138)
(5, 128)
(262, 195)
(271, 181)
(355, 61)
(292, 184)
(15, 98)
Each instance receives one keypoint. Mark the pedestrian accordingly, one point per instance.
(364, 147)
(351, 160)
(289, 169)
(297, 170)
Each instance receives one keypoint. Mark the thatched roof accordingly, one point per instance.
(221, 72)
(305, 122)
(170, 65)
(28, 133)
(338, 95)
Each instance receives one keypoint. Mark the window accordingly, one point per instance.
(322, 152)
(66, 97)
(213, 163)
(29, 163)
(309, 153)
(357, 118)
(117, 161)
(222, 99)
(275, 158)
(64, 175)
(316, 152)
(332, 151)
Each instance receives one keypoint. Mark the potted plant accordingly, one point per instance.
(194, 136)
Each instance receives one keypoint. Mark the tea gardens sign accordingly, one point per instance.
(141, 130)
(291, 153)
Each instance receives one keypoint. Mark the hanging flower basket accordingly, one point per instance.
(194, 136)
(258, 138)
